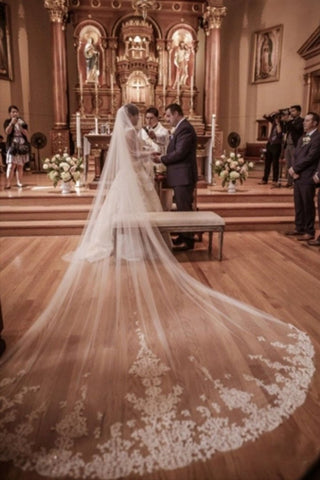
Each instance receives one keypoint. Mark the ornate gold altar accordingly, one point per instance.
(139, 51)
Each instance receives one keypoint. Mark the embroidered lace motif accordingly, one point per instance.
(162, 435)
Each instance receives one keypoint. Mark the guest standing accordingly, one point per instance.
(2, 155)
(305, 162)
(17, 145)
(181, 163)
(273, 152)
(294, 129)
(316, 178)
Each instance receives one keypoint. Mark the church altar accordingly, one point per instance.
(144, 52)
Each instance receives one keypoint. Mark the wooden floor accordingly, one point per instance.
(266, 269)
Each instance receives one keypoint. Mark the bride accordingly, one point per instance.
(135, 367)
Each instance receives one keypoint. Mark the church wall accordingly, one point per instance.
(31, 87)
(243, 102)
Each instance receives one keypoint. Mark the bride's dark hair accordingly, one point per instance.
(132, 109)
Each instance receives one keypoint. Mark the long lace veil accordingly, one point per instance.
(135, 366)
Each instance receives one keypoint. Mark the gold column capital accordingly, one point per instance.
(58, 10)
(212, 17)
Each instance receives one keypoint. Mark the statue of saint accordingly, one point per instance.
(181, 62)
(92, 60)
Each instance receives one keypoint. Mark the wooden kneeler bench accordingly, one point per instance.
(194, 222)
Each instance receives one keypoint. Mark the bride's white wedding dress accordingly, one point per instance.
(135, 366)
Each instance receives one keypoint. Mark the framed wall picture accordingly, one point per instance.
(5, 43)
(267, 54)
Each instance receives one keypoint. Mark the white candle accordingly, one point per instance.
(97, 97)
(191, 88)
(81, 92)
(213, 130)
(78, 130)
(111, 86)
(96, 126)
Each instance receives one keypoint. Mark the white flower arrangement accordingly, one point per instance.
(63, 167)
(231, 168)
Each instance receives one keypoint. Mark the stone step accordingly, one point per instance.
(75, 227)
(50, 197)
(264, 209)
(269, 196)
(41, 212)
(80, 211)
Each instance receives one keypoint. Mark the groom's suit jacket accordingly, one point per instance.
(306, 158)
(180, 159)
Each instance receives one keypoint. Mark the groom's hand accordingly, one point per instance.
(156, 157)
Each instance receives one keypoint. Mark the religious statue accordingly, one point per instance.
(92, 61)
(181, 62)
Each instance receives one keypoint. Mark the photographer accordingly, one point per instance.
(18, 147)
(273, 149)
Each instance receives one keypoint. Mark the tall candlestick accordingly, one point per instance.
(81, 92)
(111, 85)
(163, 69)
(191, 98)
(210, 159)
(97, 97)
(213, 130)
(96, 126)
(78, 130)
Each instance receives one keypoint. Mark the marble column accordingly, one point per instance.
(212, 20)
(58, 10)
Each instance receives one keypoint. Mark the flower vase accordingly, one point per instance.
(65, 187)
(231, 187)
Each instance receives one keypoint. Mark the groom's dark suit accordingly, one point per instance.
(305, 162)
(181, 163)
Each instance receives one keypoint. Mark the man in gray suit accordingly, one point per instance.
(316, 178)
(305, 162)
(181, 163)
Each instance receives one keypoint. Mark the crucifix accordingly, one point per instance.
(137, 86)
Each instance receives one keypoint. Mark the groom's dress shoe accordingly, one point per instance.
(314, 243)
(306, 237)
(178, 241)
(185, 245)
(291, 233)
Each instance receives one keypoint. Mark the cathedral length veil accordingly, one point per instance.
(135, 366)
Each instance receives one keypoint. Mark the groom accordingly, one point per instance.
(181, 164)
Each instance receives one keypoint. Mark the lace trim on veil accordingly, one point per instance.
(135, 366)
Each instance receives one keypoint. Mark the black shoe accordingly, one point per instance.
(314, 243)
(178, 241)
(306, 237)
(292, 233)
(263, 182)
(185, 245)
